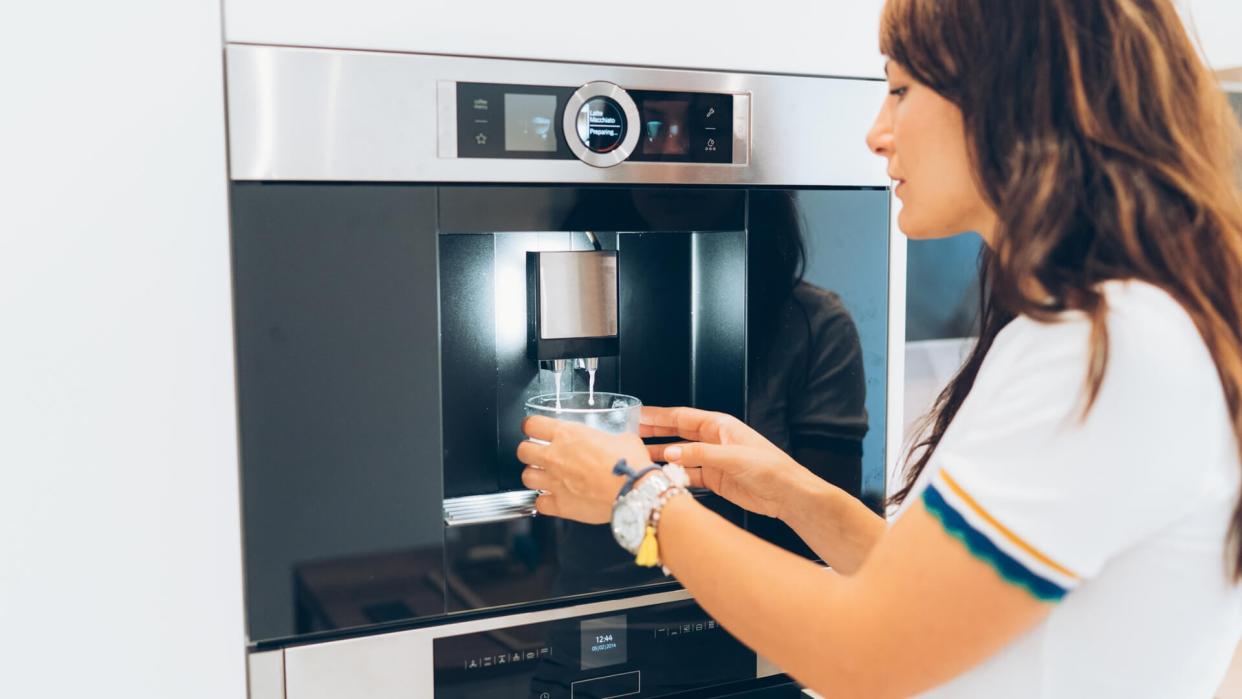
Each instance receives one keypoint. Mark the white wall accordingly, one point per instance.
(795, 36)
(787, 36)
(119, 536)
(1217, 24)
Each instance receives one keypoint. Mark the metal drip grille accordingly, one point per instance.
(493, 507)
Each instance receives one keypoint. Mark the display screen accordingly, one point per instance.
(603, 642)
(664, 128)
(529, 123)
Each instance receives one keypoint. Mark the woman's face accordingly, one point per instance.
(922, 136)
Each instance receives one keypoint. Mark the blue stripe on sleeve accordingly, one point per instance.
(981, 547)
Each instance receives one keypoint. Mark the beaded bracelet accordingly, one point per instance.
(667, 495)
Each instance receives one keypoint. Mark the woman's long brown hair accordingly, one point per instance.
(1108, 151)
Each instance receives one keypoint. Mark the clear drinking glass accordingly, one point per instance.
(614, 413)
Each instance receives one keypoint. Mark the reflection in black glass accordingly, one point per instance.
(664, 127)
(807, 390)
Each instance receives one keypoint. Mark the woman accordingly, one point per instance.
(1070, 522)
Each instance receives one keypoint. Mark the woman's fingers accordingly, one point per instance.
(546, 504)
(536, 479)
(540, 427)
(726, 457)
(695, 474)
(658, 431)
(668, 422)
(688, 423)
(532, 453)
(657, 451)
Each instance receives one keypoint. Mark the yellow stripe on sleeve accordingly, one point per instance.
(1004, 531)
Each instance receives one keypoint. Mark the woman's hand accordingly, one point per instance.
(724, 455)
(574, 468)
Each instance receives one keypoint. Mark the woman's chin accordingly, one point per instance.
(914, 229)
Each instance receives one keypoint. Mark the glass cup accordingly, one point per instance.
(613, 413)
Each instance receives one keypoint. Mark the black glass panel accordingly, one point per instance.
(382, 366)
(336, 305)
(468, 209)
(818, 337)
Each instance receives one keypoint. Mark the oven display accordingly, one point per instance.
(603, 642)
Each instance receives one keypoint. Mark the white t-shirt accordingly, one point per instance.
(1120, 520)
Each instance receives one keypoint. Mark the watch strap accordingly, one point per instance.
(622, 468)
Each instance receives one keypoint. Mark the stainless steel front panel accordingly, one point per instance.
(400, 665)
(577, 295)
(265, 675)
(318, 114)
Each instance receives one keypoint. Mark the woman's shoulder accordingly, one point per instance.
(1160, 396)
(1140, 310)
(1148, 331)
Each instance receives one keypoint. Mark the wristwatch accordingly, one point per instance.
(632, 512)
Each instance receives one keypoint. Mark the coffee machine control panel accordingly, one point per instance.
(600, 124)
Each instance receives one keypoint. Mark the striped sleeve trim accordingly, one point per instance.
(987, 539)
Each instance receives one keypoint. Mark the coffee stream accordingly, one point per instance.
(558, 390)
(591, 388)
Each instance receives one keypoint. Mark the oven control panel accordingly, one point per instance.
(599, 123)
(639, 653)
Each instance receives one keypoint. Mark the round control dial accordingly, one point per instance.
(601, 124)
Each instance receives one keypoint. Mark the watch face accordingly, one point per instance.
(627, 525)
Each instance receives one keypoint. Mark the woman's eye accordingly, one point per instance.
(898, 91)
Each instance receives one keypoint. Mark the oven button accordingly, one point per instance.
(601, 124)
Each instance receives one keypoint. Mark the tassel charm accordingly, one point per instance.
(648, 551)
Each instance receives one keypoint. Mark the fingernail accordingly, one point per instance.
(672, 453)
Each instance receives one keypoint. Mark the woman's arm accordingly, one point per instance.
(838, 527)
(921, 610)
(734, 461)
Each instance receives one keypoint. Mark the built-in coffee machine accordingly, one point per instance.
(421, 244)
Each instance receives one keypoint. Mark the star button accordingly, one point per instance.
(481, 139)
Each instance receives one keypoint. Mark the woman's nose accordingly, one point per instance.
(880, 137)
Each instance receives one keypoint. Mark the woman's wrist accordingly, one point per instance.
(806, 496)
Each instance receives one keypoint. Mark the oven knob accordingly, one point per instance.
(601, 124)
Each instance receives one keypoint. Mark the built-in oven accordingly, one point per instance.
(421, 244)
